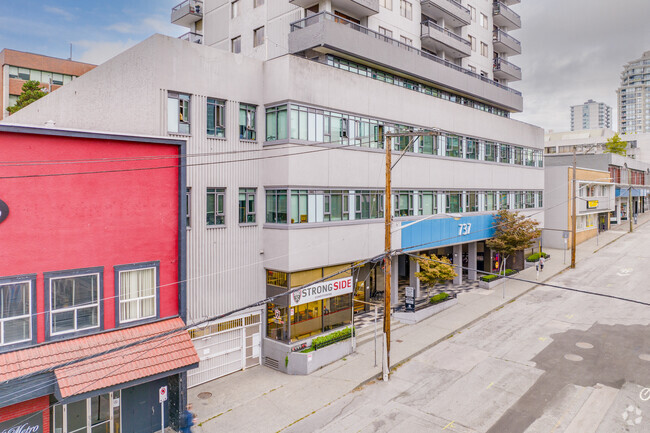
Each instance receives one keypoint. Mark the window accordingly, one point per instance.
(472, 68)
(276, 123)
(137, 287)
(214, 213)
(385, 32)
(95, 414)
(471, 148)
(258, 36)
(490, 151)
(504, 154)
(406, 9)
(490, 201)
(504, 200)
(530, 199)
(178, 113)
(235, 45)
(234, 8)
(74, 301)
(453, 146)
(483, 21)
(216, 120)
(368, 204)
(403, 203)
(405, 40)
(472, 41)
(13, 72)
(472, 11)
(276, 206)
(188, 207)
(15, 310)
(247, 121)
(471, 201)
(299, 207)
(23, 73)
(57, 79)
(484, 49)
(247, 205)
(453, 202)
(388, 4)
(519, 199)
(336, 206)
(257, 3)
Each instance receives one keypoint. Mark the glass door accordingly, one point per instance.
(99, 414)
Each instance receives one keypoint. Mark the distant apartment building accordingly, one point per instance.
(283, 104)
(634, 97)
(591, 115)
(18, 67)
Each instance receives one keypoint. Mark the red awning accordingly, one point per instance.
(168, 352)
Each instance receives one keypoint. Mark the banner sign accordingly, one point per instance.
(32, 423)
(322, 290)
(592, 204)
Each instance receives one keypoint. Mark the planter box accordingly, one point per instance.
(306, 363)
(411, 318)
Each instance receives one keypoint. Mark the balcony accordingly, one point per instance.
(358, 8)
(504, 43)
(452, 12)
(327, 33)
(187, 13)
(196, 38)
(435, 38)
(505, 70)
(505, 17)
(510, 2)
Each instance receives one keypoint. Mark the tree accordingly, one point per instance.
(31, 93)
(616, 145)
(513, 232)
(434, 270)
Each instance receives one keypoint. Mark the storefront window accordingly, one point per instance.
(337, 312)
(93, 415)
(306, 320)
(276, 322)
(276, 278)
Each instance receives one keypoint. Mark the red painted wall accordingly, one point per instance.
(68, 222)
(28, 407)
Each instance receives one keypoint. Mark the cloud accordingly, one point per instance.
(98, 52)
(58, 11)
(147, 25)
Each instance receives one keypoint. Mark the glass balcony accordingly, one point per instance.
(435, 38)
(359, 8)
(505, 70)
(505, 17)
(187, 13)
(196, 38)
(504, 43)
(454, 13)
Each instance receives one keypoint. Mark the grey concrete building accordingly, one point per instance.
(634, 96)
(591, 115)
(285, 167)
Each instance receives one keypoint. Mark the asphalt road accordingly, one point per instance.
(553, 361)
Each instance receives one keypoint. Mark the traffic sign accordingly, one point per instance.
(162, 394)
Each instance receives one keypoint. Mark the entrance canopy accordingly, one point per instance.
(444, 231)
(636, 192)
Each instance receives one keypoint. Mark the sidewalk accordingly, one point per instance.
(265, 400)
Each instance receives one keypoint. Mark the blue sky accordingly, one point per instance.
(97, 29)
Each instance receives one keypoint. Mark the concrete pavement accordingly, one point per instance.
(261, 399)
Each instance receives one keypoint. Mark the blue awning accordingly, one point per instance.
(636, 192)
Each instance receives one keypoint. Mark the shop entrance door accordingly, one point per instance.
(225, 347)
(141, 409)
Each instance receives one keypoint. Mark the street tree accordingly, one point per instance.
(616, 145)
(434, 270)
(513, 232)
(31, 92)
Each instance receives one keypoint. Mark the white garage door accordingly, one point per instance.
(225, 347)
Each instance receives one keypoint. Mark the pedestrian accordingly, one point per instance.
(188, 419)
(541, 263)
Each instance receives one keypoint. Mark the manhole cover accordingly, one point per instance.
(204, 395)
(584, 345)
(572, 357)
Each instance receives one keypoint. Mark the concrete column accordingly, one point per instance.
(414, 281)
(458, 263)
(394, 281)
(325, 6)
(471, 252)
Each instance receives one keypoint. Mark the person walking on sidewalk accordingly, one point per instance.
(187, 420)
(541, 263)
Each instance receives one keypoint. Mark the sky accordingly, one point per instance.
(573, 50)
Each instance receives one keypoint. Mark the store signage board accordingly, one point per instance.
(4, 213)
(32, 423)
(409, 299)
(322, 290)
(592, 204)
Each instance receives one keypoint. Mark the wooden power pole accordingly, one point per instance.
(387, 248)
(574, 212)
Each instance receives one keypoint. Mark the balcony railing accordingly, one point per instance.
(197, 38)
(196, 6)
(460, 7)
(506, 17)
(501, 36)
(500, 64)
(426, 25)
(326, 16)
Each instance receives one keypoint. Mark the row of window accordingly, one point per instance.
(40, 76)
(308, 206)
(311, 124)
(178, 117)
(215, 214)
(386, 77)
(74, 300)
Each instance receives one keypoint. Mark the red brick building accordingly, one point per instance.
(18, 67)
(92, 281)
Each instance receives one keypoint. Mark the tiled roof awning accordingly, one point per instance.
(95, 362)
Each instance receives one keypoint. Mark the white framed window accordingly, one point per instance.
(385, 32)
(216, 117)
(178, 113)
(247, 121)
(483, 21)
(405, 40)
(472, 11)
(472, 41)
(388, 4)
(74, 302)
(258, 36)
(484, 49)
(406, 9)
(137, 288)
(215, 202)
(247, 205)
(234, 9)
(15, 311)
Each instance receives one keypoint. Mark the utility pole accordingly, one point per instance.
(574, 212)
(387, 247)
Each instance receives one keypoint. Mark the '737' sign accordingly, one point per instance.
(464, 229)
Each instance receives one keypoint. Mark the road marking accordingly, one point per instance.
(451, 424)
(491, 383)
(645, 394)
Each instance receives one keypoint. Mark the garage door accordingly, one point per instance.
(225, 347)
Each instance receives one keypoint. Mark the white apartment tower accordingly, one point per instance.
(591, 115)
(634, 97)
(282, 104)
